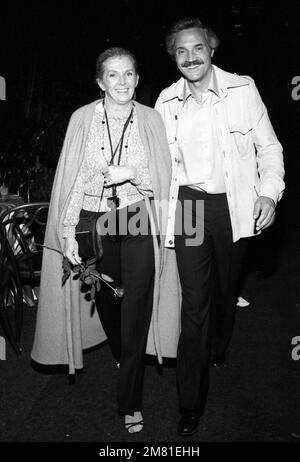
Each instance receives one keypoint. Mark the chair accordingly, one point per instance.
(22, 231)
(11, 296)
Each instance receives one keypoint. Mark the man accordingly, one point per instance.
(226, 155)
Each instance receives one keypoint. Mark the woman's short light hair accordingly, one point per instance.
(113, 52)
(189, 23)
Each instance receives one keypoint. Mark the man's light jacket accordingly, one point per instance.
(252, 155)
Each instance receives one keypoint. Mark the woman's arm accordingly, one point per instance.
(72, 216)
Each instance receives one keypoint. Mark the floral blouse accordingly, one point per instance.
(88, 191)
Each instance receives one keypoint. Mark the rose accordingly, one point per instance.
(89, 276)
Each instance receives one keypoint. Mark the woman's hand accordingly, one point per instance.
(71, 250)
(116, 174)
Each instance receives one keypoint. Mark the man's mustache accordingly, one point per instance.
(192, 63)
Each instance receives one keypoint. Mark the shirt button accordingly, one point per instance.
(170, 242)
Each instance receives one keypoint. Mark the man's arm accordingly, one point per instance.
(269, 161)
(269, 150)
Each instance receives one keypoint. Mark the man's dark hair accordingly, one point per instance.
(189, 23)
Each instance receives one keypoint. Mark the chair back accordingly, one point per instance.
(24, 228)
(11, 294)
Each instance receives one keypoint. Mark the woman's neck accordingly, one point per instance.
(117, 110)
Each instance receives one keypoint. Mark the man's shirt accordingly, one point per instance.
(200, 159)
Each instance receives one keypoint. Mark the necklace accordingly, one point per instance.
(114, 201)
(119, 145)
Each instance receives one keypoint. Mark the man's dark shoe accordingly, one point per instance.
(188, 424)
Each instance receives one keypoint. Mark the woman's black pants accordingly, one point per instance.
(129, 260)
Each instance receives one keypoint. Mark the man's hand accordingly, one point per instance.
(263, 212)
(116, 174)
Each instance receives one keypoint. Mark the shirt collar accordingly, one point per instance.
(213, 87)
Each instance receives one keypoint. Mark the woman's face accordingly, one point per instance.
(119, 80)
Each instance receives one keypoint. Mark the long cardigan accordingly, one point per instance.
(66, 323)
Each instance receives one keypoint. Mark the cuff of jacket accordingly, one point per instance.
(272, 193)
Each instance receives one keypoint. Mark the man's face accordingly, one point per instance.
(192, 54)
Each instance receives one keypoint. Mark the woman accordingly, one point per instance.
(115, 158)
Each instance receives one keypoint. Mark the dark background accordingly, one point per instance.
(47, 56)
(49, 49)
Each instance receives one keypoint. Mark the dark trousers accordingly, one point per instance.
(129, 260)
(208, 274)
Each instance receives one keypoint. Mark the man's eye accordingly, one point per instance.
(112, 74)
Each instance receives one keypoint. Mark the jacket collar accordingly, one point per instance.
(220, 82)
(212, 87)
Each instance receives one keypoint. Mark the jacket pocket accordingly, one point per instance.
(239, 126)
(241, 134)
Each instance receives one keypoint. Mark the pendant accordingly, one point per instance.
(113, 202)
